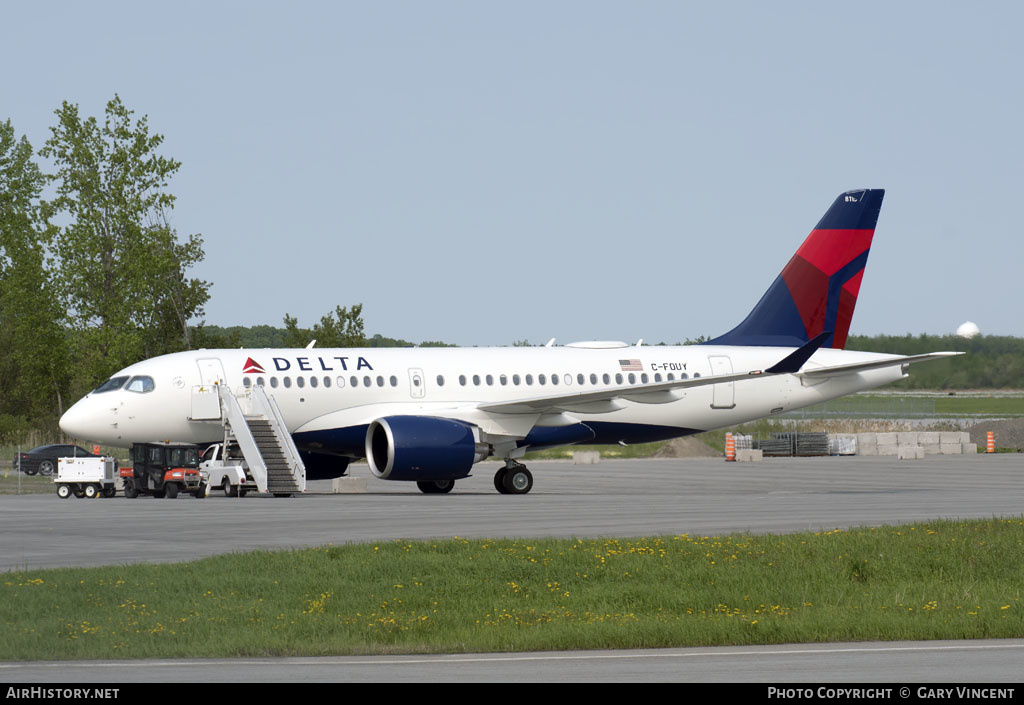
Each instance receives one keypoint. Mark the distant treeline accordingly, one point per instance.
(991, 362)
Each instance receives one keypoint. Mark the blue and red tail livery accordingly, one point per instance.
(817, 290)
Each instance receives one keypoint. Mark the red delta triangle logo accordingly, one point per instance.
(252, 367)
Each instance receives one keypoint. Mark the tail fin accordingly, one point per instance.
(817, 290)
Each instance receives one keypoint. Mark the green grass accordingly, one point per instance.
(939, 580)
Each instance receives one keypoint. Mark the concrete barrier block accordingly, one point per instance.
(950, 437)
(910, 452)
(951, 448)
(867, 449)
(349, 485)
(932, 448)
(586, 457)
(886, 439)
(965, 436)
(749, 455)
(969, 448)
(870, 438)
(925, 438)
(907, 438)
(887, 448)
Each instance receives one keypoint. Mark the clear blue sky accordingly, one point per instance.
(484, 172)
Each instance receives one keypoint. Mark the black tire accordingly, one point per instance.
(282, 494)
(46, 467)
(436, 486)
(229, 489)
(79, 493)
(499, 480)
(63, 491)
(518, 480)
(109, 491)
(130, 491)
(171, 488)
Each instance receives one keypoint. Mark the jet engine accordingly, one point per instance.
(422, 448)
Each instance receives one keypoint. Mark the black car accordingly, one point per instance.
(43, 460)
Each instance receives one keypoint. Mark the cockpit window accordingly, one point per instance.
(110, 385)
(140, 384)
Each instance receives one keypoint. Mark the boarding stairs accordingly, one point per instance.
(253, 421)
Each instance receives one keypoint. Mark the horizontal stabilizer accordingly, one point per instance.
(874, 364)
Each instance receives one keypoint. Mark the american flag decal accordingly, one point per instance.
(631, 366)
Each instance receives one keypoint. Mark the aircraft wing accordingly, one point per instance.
(607, 400)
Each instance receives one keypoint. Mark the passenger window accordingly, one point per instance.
(287, 382)
(618, 378)
(440, 380)
(300, 382)
(354, 381)
(554, 379)
(367, 382)
(394, 381)
(503, 379)
(604, 378)
(515, 380)
(542, 379)
(529, 380)
(644, 378)
(490, 380)
(313, 381)
(632, 378)
(580, 379)
(246, 382)
(341, 382)
(327, 381)
(657, 376)
(476, 380)
(462, 380)
(260, 382)
(273, 382)
(567, 379)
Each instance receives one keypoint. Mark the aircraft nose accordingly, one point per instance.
(79, 422)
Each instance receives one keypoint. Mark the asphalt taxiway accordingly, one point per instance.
(613, 498)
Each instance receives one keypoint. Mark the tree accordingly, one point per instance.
(121, 267)
(342, 329)
(34, 373)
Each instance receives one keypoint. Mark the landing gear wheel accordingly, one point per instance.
(171, 488)
(91, 492)
(499, 480)
(518, 480)
(436, 486)
(63, 491)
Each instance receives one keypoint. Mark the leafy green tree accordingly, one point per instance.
(121, 266)
(341, 329)
(34, 366)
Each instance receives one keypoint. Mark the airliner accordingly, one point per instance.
(430, 415)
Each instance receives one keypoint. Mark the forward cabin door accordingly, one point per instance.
(724, 394)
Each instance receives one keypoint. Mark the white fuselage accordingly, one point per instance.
(326, 390)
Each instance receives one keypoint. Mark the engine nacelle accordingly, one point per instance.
(422, 448)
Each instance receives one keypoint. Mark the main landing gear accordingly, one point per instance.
(514, 478)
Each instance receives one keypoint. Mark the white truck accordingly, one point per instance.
(230, 473)
(86, 477)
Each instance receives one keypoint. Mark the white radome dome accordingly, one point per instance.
(968, 329)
